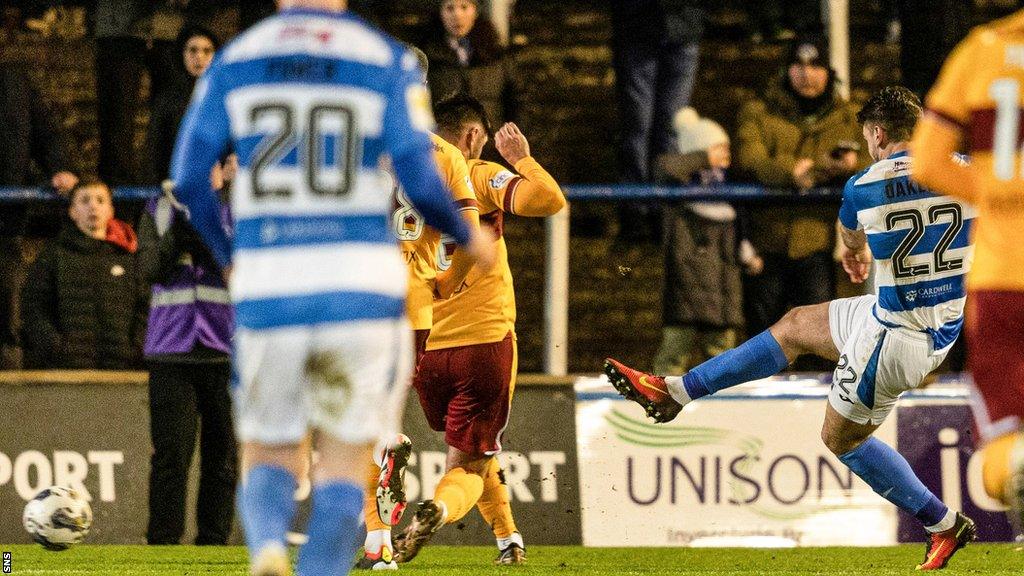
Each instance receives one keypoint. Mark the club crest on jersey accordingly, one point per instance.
(501, 179)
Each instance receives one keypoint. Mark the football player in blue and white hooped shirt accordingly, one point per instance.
(315, 103)
(884, 343)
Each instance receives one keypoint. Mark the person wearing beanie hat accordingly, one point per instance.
(799, 134)
(702, 295)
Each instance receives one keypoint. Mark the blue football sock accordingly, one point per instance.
(759, 357)
(334, 530)
(891, 477)
(266, 504)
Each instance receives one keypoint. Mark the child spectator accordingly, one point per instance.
(702, 302)
(83, 303)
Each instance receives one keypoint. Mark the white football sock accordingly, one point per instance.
(375, 539)
(945, 524)
(515, 538)
(677, 390)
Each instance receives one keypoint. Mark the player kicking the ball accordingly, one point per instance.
(885, 343)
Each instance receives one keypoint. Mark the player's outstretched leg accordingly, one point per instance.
(663, 397)
(1003, 475)
(385, 503)
(456, 494)
(496, 509)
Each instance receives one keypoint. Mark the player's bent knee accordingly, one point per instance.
(839, 443)
(789, 329)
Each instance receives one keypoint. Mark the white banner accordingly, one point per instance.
(730, 471)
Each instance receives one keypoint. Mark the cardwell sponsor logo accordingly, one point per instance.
(912, 295)
(706, 466)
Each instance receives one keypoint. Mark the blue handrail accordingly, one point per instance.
(730, 192)
(47, 194)
(575, 192)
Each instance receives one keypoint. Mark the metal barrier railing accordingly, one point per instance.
(556, 285)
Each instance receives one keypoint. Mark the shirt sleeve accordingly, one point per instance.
(408, 118)
(493, 184)
(847, 210)
(203, 138)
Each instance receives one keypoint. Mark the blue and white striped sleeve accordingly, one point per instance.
(848, 210)
(203, 138)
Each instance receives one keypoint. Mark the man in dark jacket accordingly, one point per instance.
(656, 46)
(188, 346)
(29, 132)
(801, 133)
(83, 304)
(33, 150)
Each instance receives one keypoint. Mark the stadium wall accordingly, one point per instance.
(90, 430)
(583, 466)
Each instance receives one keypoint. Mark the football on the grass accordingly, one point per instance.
(57, 518)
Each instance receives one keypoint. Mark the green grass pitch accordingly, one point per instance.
(990, 560)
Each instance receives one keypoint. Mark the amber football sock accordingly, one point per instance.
(370, 504)
(997, 466)
(494, 503)
(459, 490)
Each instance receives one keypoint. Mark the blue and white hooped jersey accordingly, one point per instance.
(921, 246)
(311, 102)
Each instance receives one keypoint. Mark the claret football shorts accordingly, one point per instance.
(466, 392)
(995, 348)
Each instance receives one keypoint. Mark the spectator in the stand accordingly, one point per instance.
(655, 49)
(121, 37)
(800, 134)
(34, 150)
(30, 132)
(704, 252)
(466, 55)
(195, 49)
(188, 347)
(83, 304)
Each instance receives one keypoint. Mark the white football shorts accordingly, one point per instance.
(876, 363)
(349, 380)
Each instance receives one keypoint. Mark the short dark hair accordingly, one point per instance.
(89, 183)
(191, 31)
(894, 108)
(458, 109)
